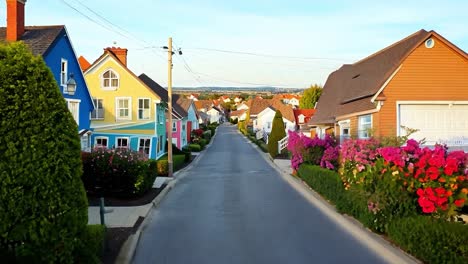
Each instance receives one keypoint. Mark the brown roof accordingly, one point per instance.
(238, 112)
(203, 104)
(286, 110)
(257, 105)
(182, 102)
(350, 88)
(38, 38)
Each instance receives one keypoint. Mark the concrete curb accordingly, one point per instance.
(371, 240)
(128, 249)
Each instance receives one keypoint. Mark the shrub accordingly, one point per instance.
(163, 165)
(91, 247)
(194, 147)
(277, 133)
(431, 240)
(44, 206)
(119, 172)
(202, 143)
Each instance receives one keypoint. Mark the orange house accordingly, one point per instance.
(420, 82)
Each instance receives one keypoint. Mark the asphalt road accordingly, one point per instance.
(233, 207)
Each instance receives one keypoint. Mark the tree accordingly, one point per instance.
(277, 133)
(43, 205)
(310, 97)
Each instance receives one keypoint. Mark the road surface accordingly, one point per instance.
(233, 207)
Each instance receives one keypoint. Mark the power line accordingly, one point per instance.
(246, 83)
(266, 55)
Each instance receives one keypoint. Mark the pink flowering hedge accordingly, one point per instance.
(117, 172)
(316, 151)
(392, 179)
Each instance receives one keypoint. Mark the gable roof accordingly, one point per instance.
(307, 113)
(257, 105)
(206, 104)
(38, 38)
(163, 94)
(351, 88)
(286, 110)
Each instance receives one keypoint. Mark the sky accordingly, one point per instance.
(290, 44)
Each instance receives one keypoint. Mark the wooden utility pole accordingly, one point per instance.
(169, 98)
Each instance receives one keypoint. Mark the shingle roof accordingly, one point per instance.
(84, 63)
(257, 105)
(286, 110)
(38, 38)
(161, 92)
(350, 88)
(203, 104)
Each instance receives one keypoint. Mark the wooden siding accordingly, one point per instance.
(436, 74)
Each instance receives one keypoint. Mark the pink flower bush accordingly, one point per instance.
(322, 152)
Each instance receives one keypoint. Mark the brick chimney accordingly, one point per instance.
(15, 19)
(120, 53)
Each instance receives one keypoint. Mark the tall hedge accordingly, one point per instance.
(43, 206)
(277, 133)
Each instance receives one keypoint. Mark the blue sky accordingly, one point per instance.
(309, 39)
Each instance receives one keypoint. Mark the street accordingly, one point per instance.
(233, 207)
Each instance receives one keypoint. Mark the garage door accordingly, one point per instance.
(436, 123)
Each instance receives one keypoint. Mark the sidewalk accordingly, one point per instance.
(284, 165)
(120, 217)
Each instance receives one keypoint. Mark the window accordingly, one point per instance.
(98, 112)
(183, 127)
(144, 146)
(74, 107)
(110, 80)
(123, 108)
(144, 108)
(174, 127)
(100, 142)
(268, 125)
(345, 131)
(122, 142)
(160, 141)
(365, 125)
(85, 143)
(64, 73)
(301, 119)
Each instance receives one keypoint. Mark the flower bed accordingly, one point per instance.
(119, 172)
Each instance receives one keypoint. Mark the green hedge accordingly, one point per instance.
(202, 143)
(91, 246)
(162, 165)
(194, 147)
(431, 240)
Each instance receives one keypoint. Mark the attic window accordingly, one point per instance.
(429, 43)
(357, 75)
(109, 80)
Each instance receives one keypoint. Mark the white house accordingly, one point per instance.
(242, 106)
(215, 115)
(264, 121)
(237, 99)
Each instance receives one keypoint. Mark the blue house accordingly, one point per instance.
(54, 45)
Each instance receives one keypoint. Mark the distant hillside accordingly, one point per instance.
(235, 89)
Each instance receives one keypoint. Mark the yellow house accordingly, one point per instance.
(128, 113)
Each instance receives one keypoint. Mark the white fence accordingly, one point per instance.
(282, 144)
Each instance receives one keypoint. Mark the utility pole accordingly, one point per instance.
(169, 98)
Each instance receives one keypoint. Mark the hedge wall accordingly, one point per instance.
(431, 240)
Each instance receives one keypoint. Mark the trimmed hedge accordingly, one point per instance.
(431, 240)
(194, 147)
(163, 166)
(43, 203)
(202, 143)
(91, 247)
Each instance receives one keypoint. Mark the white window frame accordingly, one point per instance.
(77, 119)
(96, 139)
(110, 87)
(117, 108)
(360, 128)
(96, 104)
(345, 124)
(64, 75)
(149, 109)
(149, 147)
(117, 142)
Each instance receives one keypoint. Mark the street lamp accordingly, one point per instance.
(71, 85)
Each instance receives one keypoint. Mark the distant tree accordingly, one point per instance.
(310, 97)
(43, 205)
(277, 133)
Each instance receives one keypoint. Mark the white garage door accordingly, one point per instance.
(436, 123)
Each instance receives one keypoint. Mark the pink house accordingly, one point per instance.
(184, 119)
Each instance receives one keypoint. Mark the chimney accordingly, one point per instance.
(15, 19)
(120, 53)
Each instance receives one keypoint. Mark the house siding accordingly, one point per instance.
(436, 74)
(63, 49)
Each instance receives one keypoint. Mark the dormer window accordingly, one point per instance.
(110, 80)
(301, 118)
